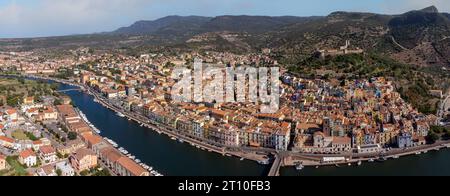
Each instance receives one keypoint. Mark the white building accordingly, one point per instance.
(65, 168)
(28, 158)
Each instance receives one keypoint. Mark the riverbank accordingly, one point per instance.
(310, 161)
(159, 128)
(169, 132)
(314, 161)
(223, 151)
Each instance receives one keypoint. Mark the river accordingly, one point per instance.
(431, 164)
(167, 156)
(180, 159)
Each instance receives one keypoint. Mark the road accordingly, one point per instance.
(444, 108)
(211, 146)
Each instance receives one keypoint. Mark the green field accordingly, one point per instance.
(12, 90)
(20, 135)
(19, 169)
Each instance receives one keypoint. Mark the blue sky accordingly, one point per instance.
(34, 18)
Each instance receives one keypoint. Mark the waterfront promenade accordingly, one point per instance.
(289, 159)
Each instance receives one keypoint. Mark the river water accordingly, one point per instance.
(180, 159)
(159, 151)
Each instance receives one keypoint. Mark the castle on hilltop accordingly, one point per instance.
(322, 53)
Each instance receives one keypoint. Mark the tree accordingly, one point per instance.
(84, 173)
(22, 81)
(59, 155)
(58, 172)
(446, 134)
(57, 102)
(103, 172)
(432, 137)
(437, 129)
(72, 135)
(64, 128)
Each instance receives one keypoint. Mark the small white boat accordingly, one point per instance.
(173, 138)
(359, 163)
(299, 167)
(418, 153)
(396, 157)
(242, 159)
(264, 162)
(371, 160)
(120, 114)
(138, 161)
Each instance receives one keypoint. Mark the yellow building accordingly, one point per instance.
(2, 162)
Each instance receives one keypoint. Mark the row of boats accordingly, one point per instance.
(359, 163)
(132, 157)
(85, 119)
(120, 149)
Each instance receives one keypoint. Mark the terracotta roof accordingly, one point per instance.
(31, 110)
(306, 126)
(29, 99)
(341, 140)
(49, 110)
(92, 139)
(131, 166)
(7, 139)
(83, 152)
(2, 157)
(48, 169)
(285, 125)
(26, 153)
(66, 110)
(47, 150)
(111, 154)
(11, 111)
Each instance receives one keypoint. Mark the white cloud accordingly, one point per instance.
(19, 18)
(69, 16)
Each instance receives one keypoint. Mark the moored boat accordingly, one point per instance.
(299, 167)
